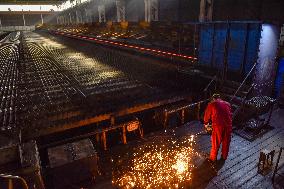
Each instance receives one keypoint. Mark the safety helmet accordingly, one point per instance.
(215, 96)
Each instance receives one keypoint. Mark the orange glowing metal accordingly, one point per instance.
(125, 45)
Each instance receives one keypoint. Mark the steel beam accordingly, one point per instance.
(31, 2)
(27, 12)
(120, 10)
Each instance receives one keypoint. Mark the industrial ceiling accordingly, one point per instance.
(31, 2)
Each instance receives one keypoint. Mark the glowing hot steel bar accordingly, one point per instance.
(142, 49)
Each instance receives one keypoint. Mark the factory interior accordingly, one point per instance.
(120, 94)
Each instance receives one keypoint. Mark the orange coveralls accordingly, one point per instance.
(219, 112)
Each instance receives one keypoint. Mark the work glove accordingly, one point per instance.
(208, 128)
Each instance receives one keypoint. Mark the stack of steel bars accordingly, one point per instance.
(9, 55)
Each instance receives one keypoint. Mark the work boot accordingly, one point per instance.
(211, 162)
(222, 159)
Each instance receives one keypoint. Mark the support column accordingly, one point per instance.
(151, 10)
(81, 17)
(77, 17)
(70, 19)
(154, 10)
(90, 17)
(102, 15)
(146, 9)
(202, 11)
(120, 10)
(24, 20)
(210, 10)
(86, 16)
(206, 10)
(42, 19)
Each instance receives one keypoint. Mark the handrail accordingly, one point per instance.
(11, 177)
(185, 106)
(182, 108)
(243, 82)
(209, 84)
(243, 102)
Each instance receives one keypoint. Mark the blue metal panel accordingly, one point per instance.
(236, 51)
(279, 81)
(206, 44)
(242, 34)
(219, 45)
(252, 46)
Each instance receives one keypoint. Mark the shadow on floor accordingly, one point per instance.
(204, 173)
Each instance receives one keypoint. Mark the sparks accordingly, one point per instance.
(160, 164)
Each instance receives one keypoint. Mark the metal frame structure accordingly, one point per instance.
(11, 179)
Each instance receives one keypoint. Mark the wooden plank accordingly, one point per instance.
(249, 167)
(240, 162)
(248, 147)
(258, 179)
(233, 164)
(205, 148)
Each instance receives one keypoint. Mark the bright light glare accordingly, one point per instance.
(28, 7)
(61, 7)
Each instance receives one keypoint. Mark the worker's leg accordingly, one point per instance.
(226, 143)
(215, 142)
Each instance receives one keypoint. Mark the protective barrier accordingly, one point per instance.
(233, 43)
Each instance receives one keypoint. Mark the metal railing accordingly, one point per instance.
(182, 109)
(243, 82)
(11, 178)
(205, 90)
(243, 102)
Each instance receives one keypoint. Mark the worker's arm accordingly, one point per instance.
(208, 113)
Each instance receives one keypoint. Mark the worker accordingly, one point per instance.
(218, 112)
